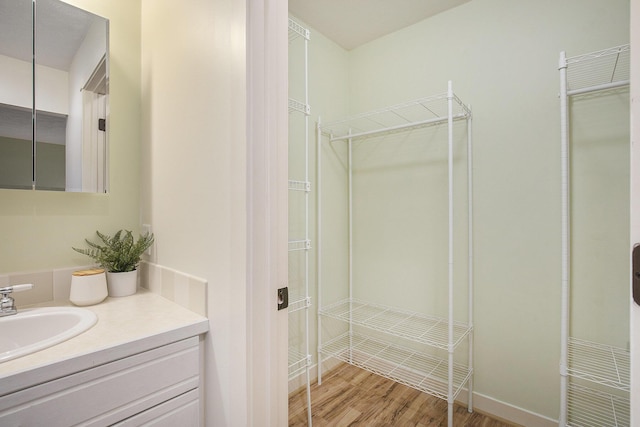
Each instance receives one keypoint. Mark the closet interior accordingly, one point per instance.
(299, 192)
(384, 248)
(595, 362)
(413, 347)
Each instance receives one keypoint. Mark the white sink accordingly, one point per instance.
(35, 329)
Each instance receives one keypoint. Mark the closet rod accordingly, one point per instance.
(598, 87)
(398, 127)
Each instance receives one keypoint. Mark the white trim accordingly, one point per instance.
(267, 221)
(635, 205)
(505, 411)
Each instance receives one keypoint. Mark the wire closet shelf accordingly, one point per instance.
(603, 69)
(383, 339)
(417, 327)
(599, 363)
(414, 114)
(297, 362)
(410, 367)
(593, 408)
(602, 397)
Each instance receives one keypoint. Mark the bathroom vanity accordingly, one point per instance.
(141, 363)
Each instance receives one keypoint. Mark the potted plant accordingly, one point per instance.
(119, 256)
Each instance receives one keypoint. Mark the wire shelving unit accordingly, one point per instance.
(420, 369)
(602, 396)
(430, 330)
(599, 363)
(407, 366)
(592, 408)
(300, 243)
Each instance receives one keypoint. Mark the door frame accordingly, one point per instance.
(267, 205)
(635, 202)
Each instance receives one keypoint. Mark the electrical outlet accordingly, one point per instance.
(146, 228)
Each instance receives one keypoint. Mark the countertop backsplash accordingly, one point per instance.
(184, 289)
(53, 285)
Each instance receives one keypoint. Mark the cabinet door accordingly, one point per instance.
(109, 393)
(181, 411)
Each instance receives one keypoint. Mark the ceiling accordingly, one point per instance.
(351, 23)
(60, 30)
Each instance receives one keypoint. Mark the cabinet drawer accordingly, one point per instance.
(108, 393)
(183, 411)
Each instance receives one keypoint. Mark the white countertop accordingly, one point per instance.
(126, 325)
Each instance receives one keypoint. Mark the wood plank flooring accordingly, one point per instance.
(350, 396)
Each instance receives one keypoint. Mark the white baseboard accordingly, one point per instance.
(482, 403)
(505, 411)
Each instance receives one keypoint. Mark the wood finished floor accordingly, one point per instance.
(350, 396)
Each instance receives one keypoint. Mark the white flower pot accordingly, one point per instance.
(122, 284)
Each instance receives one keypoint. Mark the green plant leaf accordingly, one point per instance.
(117, 253)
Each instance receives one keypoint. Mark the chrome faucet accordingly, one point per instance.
(7, 303)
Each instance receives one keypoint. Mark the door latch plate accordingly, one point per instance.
(283, 298)
(636, 273)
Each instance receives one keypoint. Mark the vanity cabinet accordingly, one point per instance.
(159, 387)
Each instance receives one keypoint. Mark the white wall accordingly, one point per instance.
(51, 93)
(40, 227)
(194, 173)
(16, 86)
(193, 160)
(502, 57)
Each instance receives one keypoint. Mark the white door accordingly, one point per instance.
(94, 107)
(635, 203)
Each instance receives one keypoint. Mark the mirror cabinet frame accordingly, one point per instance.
(66, 122)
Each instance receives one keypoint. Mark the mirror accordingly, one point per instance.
(54, 97)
